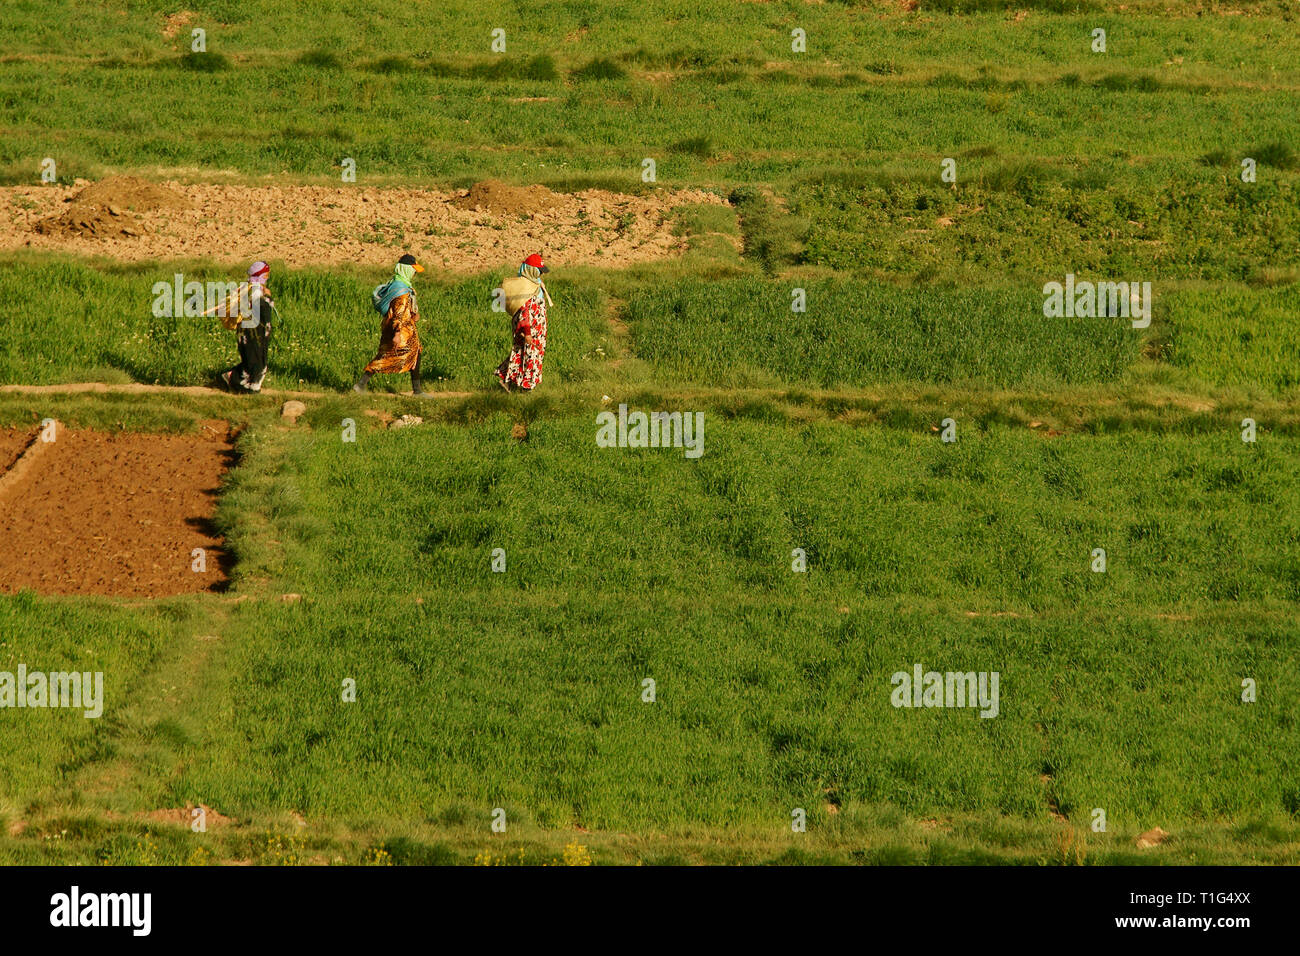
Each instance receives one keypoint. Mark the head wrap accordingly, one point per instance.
(258, 272)
(532, 269)
(406, 268)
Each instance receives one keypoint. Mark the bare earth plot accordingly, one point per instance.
(130, 219)
(113, 514)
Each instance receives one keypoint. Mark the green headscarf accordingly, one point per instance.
(404, 272)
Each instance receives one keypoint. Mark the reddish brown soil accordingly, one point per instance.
(12, 443)
(116, 514)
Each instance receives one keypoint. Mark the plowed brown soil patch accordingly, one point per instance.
(491, 225)
(113, 208)
(116, 514)
(493, 196)
(12, 443)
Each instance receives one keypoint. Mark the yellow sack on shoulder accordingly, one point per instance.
(518, 290)
(228, 311)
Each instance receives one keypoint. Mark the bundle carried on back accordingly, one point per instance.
(519, 289)
(383, 295)
(233, 309)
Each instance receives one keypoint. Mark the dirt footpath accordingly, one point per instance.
(481, 228)
(115, 514)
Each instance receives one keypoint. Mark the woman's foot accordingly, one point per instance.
(503, 383)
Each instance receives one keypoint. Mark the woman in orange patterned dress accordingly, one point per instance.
(399, 340)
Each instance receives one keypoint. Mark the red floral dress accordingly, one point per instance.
(524, 365)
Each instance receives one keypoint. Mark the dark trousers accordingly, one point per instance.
(254, 348)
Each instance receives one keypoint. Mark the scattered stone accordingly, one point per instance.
(292, 410)
(519, 432)
(406, 421)
(290, 598)
(185, 816)
(1153, 837)
(175, 22)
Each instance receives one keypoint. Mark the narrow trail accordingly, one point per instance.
(619, 333)
(135, 388)
(1054, 412)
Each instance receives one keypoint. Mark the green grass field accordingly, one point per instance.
(523, 689)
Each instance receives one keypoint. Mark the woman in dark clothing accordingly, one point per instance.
(251, 317)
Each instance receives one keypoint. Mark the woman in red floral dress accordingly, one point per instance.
(523, 367)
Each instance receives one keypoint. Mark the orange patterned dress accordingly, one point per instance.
(399, 340)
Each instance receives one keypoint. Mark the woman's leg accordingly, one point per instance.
(415, 374)
(256, 356)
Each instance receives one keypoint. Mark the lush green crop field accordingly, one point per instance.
(862, 333)
(713, 99)
(371, 560)
(1251, 42)
(522, 689)
(1172, 221)
(856, 333)
(687, 329)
